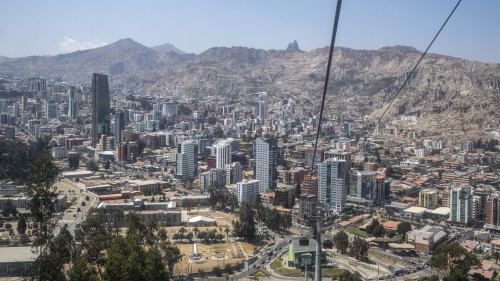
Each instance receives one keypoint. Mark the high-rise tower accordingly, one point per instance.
(100, 107)
(332, 184)
(265, 152)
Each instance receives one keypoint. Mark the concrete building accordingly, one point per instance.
(426, 239)
(265, 151)
(247, 190)
(332, 184)
(366, 188)
(187, 160)
(284, 196)
(460, 204)
(222, 149)
(493, 209)
(101, 124)
(428, 198)
(234, 172)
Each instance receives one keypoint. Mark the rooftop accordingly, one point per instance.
(17, 254)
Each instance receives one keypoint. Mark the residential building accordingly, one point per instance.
(460, 204)
(187, 160)
(247, 190)
(234, 172)
(284, 196)
(428, 198)
(332, 184)
(265, 151)
(366, 188)
(493, 209)
(222, 149)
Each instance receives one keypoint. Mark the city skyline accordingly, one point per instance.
(195, 26)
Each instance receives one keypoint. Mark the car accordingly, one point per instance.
(289, 240)
(256, 266)
(263, 262)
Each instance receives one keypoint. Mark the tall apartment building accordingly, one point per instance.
(366, 187)
(460, 204)
(309, 156)
(187, 160)
(119, 125)
(101, 124)
(265, 151)
(234, 172)
(72, 103)
(247, 190)
(222, 149)
(428, 198)
(332, 184)
(261, 110)
(493, 209)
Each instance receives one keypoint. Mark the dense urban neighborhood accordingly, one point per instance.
(164, 185)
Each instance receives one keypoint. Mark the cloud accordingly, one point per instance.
(69, 45)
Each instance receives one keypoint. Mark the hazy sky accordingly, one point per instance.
(48, 27)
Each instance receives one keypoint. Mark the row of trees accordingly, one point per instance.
(17, 158)
(357, 248)
(271, 217)
(221, 198)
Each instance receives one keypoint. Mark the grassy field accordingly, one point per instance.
(288, 271)
(259, 274)
(277, 263)
(332, 271)
(357, 232)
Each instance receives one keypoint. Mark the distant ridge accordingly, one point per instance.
(167, 48)
(453, 97)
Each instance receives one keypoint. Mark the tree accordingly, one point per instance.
(371, 226)
(171, 255)
(82, 270)
(107, 165)
(41, 191)
(359, 248)
(217, 271)
(245, 226)
(378, 231)
(328, 244)
(453, 261)
(21, 225)
(74, 161)
(162, 234)
(403, 228)
(346, 275)
(341, 241)
(8, 226)
(228, 268)
(9, 209)
(92, 165)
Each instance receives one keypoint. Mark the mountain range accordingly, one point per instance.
(450, 96)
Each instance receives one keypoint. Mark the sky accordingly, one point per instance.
(49, 27)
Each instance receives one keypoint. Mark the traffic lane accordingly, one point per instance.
(263, 257)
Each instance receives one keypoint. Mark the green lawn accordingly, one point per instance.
(288, 271)
(277, 263)
(357, 232)
(259, 273)
(332, 271)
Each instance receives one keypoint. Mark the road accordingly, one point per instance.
(71, 216)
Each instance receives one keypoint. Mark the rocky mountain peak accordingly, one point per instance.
(294, 46)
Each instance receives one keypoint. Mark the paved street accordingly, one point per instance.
(71, 216)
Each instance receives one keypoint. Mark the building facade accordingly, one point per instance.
(460, 204)
(265, 151)
(100, 107)
(187, 160)
(247, 190)
(332, 184)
